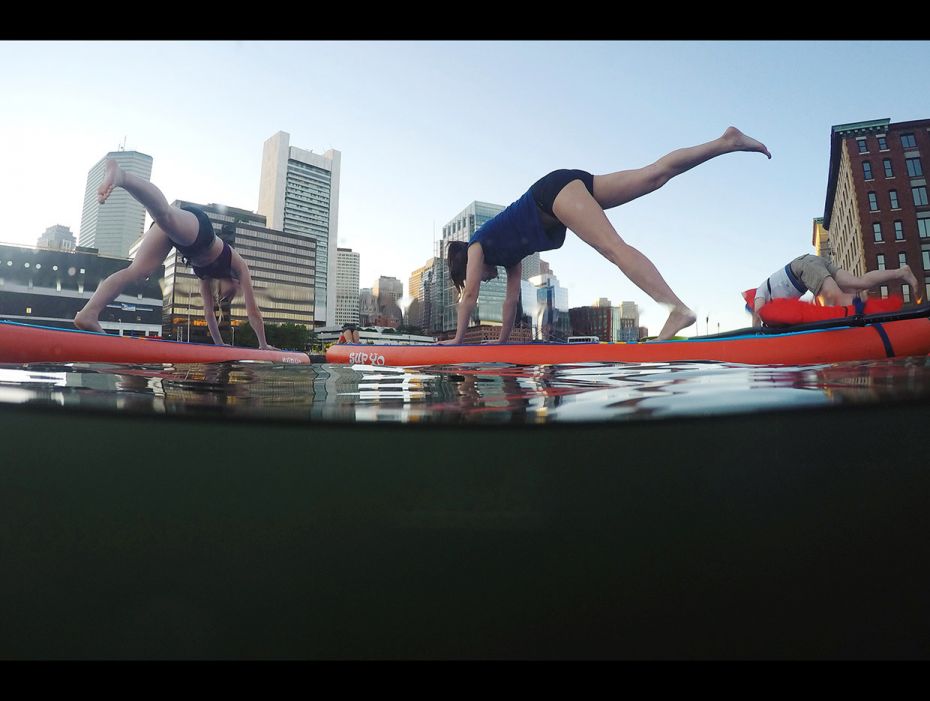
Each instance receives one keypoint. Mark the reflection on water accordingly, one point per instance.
(461, 393)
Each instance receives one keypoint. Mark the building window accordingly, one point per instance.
(889, 171)
(867, 170)
(880, 260)
(925, 259)
(923, 228)
(873, 202)
(882, 144)
(920, 195)
(883, 290)
(908, 141)
(898, 231)
(863, 146)
(914, 169)
(906, 293)
(877, 231)
(893, 196)
(902, 260)
(29, 310)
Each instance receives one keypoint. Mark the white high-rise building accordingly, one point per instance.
(347, 265)
(114, 226)
(299, 194)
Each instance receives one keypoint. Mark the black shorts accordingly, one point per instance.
(549, 186)
(204, 238)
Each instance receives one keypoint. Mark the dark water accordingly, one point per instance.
(461, 393)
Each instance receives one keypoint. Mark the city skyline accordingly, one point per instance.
(424, 127)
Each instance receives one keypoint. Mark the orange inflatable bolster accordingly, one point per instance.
(785, 312)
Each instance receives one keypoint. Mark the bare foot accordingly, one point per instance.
(113, 177)
(87, 322)
(909, 278)
(680, 318)
(740, 142)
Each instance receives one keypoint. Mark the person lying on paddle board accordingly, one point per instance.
(576, 200)
(188, 229)
(832, 286)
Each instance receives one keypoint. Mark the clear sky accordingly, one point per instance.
(427, 127)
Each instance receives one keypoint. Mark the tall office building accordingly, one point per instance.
(877, 212)
(347, 265)
(57, 237)
(367, 307)
(418, 287)
(114, 226)
(552, 313)
(388, 292)
(299, 194)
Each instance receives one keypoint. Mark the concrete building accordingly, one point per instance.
(114, 226)
(347, 267)
(299, 195)
(57, 237)
(48, 287)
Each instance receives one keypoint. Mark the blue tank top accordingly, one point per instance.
(516, 233)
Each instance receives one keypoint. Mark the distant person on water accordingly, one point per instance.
(831, 286)
(576, 200)
(349, 334)
(188, 229)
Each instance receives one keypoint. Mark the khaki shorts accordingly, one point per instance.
(812, 271)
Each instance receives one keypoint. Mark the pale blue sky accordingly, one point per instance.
(426, 127)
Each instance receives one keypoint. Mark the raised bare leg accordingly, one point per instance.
(581, 213)
(614, 189)
(180, 226)
(852, 283)
(155, 247)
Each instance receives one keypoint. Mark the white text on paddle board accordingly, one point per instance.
(366, 358)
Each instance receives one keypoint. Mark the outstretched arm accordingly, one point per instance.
(510, 301)
(206, 291)
(248, 294)
(469, 296)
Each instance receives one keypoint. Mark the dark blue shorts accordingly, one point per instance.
(549, 186)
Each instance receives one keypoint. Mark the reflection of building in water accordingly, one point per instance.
(255, 390)
(871, 381)
(282, 267)
(607, 322)
(48, 287)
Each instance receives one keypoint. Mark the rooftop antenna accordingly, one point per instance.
(122, 146)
